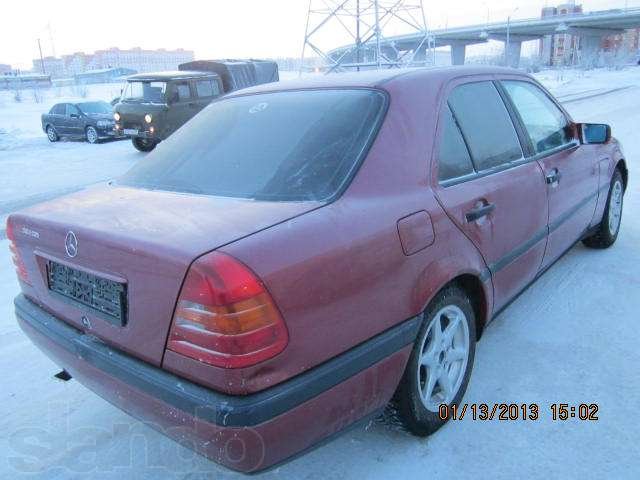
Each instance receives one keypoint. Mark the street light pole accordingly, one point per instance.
(506, 45)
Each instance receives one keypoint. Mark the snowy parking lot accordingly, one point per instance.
(571, 338)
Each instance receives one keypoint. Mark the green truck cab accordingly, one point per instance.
(154, 105)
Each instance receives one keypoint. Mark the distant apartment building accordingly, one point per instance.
(625, 44)
(52, 66)
(136, 59)
(566, 49)
(142, 60)
(103, 75)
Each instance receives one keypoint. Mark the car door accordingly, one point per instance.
(73, 120)
(571, 170)
(58, 118)
(206, 90)
(495, 195)
(183, 106)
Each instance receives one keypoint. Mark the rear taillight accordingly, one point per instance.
(15, 255)
(225, 316)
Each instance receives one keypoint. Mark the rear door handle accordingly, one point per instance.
(479, 211)
(553, 177)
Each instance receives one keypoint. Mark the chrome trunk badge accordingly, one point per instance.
(71, 244)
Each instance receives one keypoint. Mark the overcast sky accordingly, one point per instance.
(212, 28)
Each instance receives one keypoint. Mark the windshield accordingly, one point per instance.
(296, 145)
(95, 107)
(138, 91)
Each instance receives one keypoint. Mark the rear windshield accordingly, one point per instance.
(294, 145)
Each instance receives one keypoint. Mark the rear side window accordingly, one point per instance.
(58, 109)
(486, 125)
(547, 126)
(293, 145)
(207, 88)
(453, 156)
(184, 93)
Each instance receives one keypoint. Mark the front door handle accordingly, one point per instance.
(479, 211)
(553, 177)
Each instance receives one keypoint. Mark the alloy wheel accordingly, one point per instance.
(444, 354)
(51, 133)
(92, 135)
(615, 208)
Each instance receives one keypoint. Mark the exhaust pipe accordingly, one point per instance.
(63, 375)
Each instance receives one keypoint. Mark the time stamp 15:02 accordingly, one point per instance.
(518, 411)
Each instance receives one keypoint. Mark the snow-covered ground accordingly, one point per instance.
(571, 338)
(33, 169)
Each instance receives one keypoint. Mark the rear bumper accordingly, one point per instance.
(245, 433)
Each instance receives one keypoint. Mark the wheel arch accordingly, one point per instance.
(472, 285)
(475, 283)
(622, 166)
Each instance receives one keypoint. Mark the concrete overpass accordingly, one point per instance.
(591, 26)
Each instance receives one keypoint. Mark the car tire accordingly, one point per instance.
(143, 144)
(52, 134)
(91, 134)
(609, 227)
(440, 364)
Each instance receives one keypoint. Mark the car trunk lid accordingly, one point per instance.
(130, 250)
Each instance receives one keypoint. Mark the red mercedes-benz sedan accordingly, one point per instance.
(300, 252)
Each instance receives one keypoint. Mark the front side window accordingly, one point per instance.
(453, 157)
(547, 126)
(144, 92)
(95, 107)
(486, 125)
(207, 88)
(72, 110)
(280, 146)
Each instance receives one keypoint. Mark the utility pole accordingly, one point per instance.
(304, 44)
(364, 22)
(41, 58)
(358, 39)
(377, 12)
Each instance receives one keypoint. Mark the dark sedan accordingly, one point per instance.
(89, 120)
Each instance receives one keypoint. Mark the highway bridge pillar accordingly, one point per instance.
(589, 51)
(420, 54)
(512, 53)
(458, 53)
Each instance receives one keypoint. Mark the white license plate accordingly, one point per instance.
(130, 131)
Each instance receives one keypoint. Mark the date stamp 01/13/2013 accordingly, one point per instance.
(518, 411)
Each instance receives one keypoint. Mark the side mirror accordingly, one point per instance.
(594, 133)
(74, 115)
